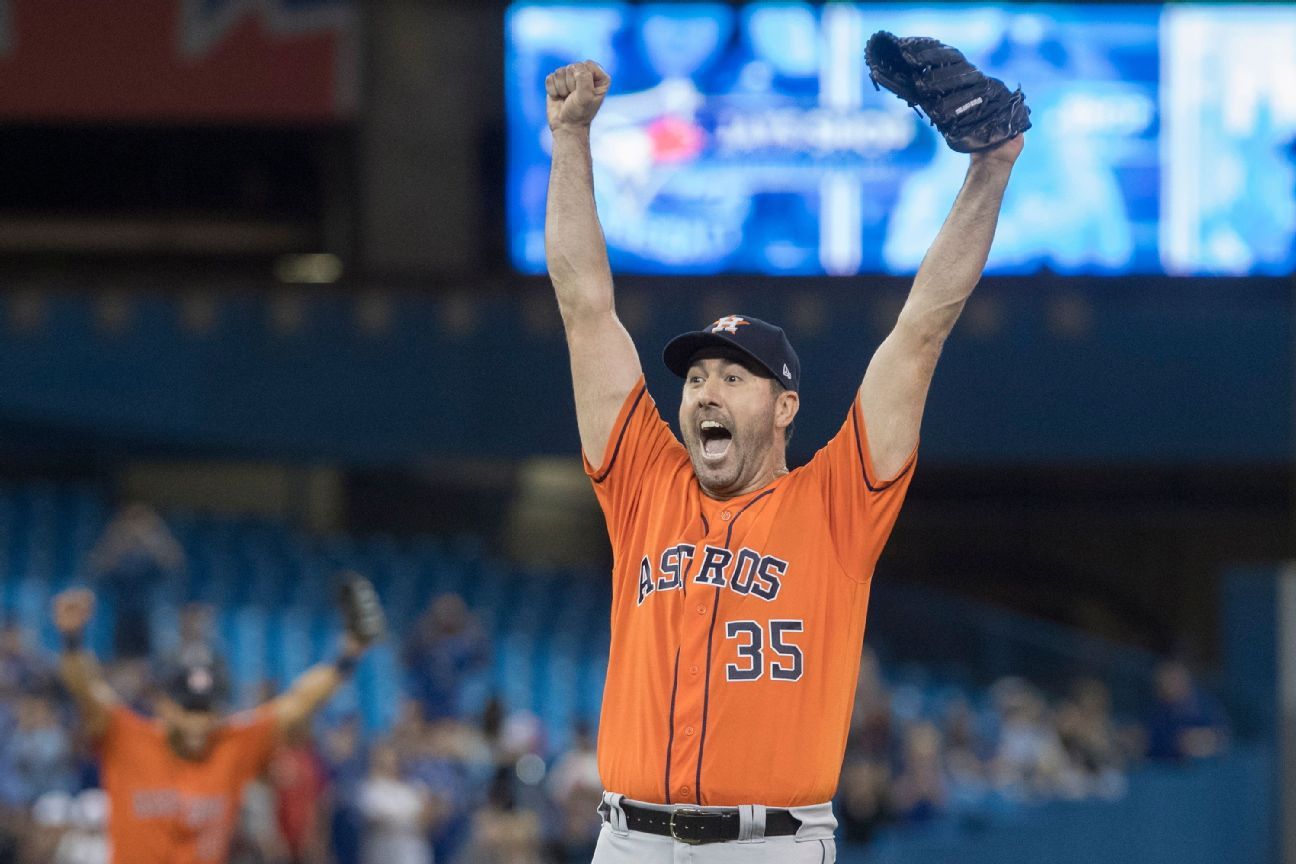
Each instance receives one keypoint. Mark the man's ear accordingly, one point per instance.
(786, 406)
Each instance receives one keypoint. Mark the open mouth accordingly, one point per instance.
(715, 439)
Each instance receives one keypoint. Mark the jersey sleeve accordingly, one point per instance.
(254, 734)
(862, 507)
(639, 450)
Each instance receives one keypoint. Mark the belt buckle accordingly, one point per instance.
(688, 811)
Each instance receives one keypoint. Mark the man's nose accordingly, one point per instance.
(710, 392)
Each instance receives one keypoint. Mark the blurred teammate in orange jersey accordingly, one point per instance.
(175, 783)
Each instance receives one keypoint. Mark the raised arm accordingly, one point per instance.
(364, 624)
(78, 668)
(314, 687)
(894, 390)
(605, 365)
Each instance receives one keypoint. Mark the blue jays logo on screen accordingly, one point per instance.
(750, 139)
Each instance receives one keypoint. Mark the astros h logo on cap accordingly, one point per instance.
(729, 323)
(766, 345)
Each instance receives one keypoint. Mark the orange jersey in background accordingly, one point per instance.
(736, 625)
(164, 809)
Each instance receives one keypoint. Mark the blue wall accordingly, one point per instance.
(1210, 813)
(1163, 372)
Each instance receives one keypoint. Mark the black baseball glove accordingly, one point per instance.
(973, 111)
(362, 614)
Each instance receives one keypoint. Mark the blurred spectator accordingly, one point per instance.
(446, 644)
(135, 552)
(258, 839)
(37, 756)
(1090, 738)
(866, 772)
(961, 729)
(455, 761)
(197, 637)
(870, 731)
(575, 791)
(1185, 723)
(68, 829)
(345, 761)
(918, 794)
(1029, 762)
(39, 836)
(298, 777)
(862, 791)
(398, 814)
(967, 782)
(521, 734)
(23, 669)
(502, 832)
(409, 730)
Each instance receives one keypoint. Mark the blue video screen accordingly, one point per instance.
(749, 139)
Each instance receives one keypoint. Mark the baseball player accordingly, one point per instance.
(174, 783)
(739, 587)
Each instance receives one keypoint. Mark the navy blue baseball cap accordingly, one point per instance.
(197, 685)
(766, 345)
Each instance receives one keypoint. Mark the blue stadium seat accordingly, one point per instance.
(275, 610)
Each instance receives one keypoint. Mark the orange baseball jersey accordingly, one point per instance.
(736, 625)
(164, 809)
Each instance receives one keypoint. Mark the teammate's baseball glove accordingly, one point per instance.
(361, 611)
(973, 111)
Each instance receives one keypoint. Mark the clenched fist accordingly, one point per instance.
(72, 610)
(575, 94)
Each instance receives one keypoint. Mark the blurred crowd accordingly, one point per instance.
(435, 787)
(490, 788)
(447, 788)
(946, 759)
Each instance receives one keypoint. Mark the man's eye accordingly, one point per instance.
(732, 379)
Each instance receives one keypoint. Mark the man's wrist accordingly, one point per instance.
(576, 132)
(349, 655)
(988, 167)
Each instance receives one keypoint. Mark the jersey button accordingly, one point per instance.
(693, 670)
(684, 790)
(726, 516)
(688, 730)
(701, 609)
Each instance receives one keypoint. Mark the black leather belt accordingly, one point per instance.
(696, 827)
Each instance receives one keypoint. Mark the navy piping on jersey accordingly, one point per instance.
(859, 449)
(706, 696)
(670, 742)
(706, 683)
(624, 426)
(706, 529)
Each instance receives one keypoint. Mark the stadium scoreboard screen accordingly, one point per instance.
(749, 139)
